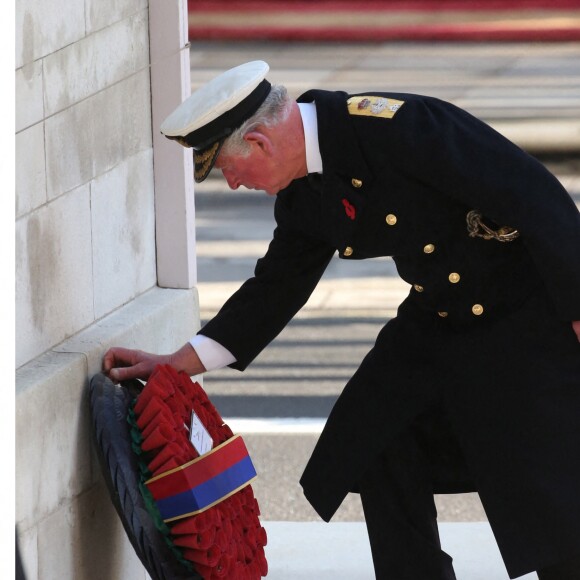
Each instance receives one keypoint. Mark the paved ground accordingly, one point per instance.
(530, 92)
(340, 551)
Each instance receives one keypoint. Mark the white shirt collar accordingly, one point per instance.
(310, 124)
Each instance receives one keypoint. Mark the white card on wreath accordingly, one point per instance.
(199, 436)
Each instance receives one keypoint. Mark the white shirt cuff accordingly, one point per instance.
(211, 354)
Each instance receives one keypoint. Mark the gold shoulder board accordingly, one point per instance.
(374, 106)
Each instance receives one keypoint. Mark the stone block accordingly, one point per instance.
(65, 518)
(53, 461)
(96, 62)
(30, 182)
(170, 85)
(29, 100)
(161, 320)
(85, 539)
(54, 286)
(95, 135)
(123, 226)
(102, 13)
(170, 29)
(45, 27)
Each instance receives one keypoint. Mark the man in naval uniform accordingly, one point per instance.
(475, 384)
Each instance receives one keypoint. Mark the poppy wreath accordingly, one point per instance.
(225, 538)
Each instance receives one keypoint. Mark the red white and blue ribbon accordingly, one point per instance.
(203, 482)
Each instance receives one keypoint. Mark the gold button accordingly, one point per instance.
(348, 251)
(429, 249)
(356, 183)
(418, 288)
(477, 309)
(454, 277)
(391, 219)
(443, 314)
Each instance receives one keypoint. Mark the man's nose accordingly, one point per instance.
(233, 182)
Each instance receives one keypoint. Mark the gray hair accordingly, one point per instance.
(275, 109)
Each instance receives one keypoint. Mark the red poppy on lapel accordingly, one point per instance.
(349, 208)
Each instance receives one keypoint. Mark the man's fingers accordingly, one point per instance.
(109, 360)
(122, 364)
(120, 357)
(127, 373)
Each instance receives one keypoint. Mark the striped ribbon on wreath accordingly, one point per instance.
(204, 505)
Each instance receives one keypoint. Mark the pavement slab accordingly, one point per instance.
(340, 551)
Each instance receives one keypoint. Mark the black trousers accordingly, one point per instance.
(569, 570)
(401, 518)
(400, 514)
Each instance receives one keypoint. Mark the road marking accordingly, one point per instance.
(282, 425)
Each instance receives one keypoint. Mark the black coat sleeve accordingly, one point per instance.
(283, 281)
(460, 156)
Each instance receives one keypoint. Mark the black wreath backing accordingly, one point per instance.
(109, 405)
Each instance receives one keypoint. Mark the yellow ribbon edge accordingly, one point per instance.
(213, 503)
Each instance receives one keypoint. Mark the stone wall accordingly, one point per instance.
(86, 271)
(85, 237)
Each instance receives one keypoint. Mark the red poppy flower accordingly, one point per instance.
(227, 539)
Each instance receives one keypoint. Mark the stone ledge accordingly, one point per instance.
(160, 321)
(55, 462)
(52, 446)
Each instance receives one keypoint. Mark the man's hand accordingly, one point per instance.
(576, 327)
(121, 364)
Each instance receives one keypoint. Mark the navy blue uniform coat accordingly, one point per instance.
(485, 331)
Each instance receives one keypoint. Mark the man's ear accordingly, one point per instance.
(260, 140)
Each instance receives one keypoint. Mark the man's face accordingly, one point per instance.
(255, 171)
(275, 159)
